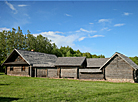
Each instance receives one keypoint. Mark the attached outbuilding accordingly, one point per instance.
(68, 67)
(120, 68)
(92, 70)
(30, 63)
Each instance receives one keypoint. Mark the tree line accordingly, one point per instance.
(16, 39)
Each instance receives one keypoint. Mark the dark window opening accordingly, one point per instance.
(23, 68)
(11, 68)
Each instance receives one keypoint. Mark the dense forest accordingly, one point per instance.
(16, 39)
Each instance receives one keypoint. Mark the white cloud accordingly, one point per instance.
(82, 38)
(109, 29)
(106, 28)
(77, 31)
(81, 29)
(104, 20)
(67, 14)
(1, 29)
(22, 5)
(118, 25)
(59, 32)
(95, 36)
(84, 30)
(91, 23)
(38, 30)
(60, 40)
(126, 13)
(11, 7)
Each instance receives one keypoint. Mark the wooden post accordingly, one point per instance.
(35, 72)
(46, 72)
(104, 77)
(6, 70)
(30, 71)
(59, 72)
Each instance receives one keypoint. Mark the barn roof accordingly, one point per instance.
(125, 58)
(70, 61)
(36, 59)
(96, 62)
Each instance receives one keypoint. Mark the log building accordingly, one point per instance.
(120, 68)
(30, 63)
(35, 64)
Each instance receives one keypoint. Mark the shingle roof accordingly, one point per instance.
(125, 58)
(70, 61)
(37, 59)
(96, 62)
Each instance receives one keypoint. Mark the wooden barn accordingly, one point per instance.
(30, 63)
(35, 64)
(68, 67)
(120, 68)
(92, 70)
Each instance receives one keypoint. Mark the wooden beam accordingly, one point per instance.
(35, 72)
(30, 71)
(6, 70)
(46, 72)
(59, 72)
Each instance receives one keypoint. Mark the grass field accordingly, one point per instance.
(22, 89)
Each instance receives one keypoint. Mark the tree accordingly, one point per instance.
(134, 59)
(68, 54)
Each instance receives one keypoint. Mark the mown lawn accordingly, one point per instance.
(22, 89)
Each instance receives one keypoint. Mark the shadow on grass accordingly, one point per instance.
(4, 84)
(8, 99)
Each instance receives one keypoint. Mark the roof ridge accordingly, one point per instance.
(36, 52)
(97, 58)
(71, 57)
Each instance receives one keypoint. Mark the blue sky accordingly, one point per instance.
(98, 27)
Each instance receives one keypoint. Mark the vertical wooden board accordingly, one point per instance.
(69, 72)
(59, 72)
(52, 73)
(41, 72)
(46, 73)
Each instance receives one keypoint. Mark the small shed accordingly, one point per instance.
(30, 63)
(92, 70)
(120, 68)
(68, 67)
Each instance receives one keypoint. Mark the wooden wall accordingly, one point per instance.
(85, 75)
(47, 72)
(17, 71)
(91, 73)
(117, 68)
(41, 72)
(52, 73)
(69, 72)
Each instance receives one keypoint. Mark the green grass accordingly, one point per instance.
(22, 89)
